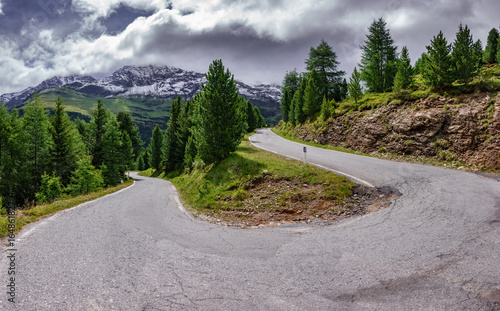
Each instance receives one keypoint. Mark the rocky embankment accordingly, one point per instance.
(464, 129)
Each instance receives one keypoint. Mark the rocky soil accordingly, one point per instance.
(271, 201)
(464, 129)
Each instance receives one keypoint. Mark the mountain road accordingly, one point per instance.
(437, 247)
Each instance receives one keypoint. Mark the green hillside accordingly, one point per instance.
(146, 111)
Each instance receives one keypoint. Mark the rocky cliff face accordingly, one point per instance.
(464, 129)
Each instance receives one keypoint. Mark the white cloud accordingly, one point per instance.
(1, 5)
(193, 33)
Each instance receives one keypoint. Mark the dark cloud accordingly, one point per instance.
(257, 40)
(121, 17)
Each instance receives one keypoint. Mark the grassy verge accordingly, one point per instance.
(26, 216)
(253, 186)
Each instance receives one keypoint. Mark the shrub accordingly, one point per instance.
(50, 189)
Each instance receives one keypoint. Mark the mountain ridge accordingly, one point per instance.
(130, 81)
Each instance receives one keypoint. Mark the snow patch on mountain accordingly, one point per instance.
(161, 81)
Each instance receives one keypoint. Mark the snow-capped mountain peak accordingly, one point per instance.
(160, 81)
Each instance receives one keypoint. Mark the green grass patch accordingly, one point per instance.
(36, 213)
(228, 185)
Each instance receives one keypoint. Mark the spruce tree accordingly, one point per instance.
(259, 119)
(355, 88)
(218, 128)
(127, 125)
(298, 102)
(498, 51)
(64, 152)
(251, 117)
(13, 169)
(86, 178)
(465, 58)
(398, 84)
(127, 153)
(420, 64)
(147, 157)
(323, 60)
(38, 143)
(99, 118)
(491, 50)
(285, 103)
(173, 152)
(140, 163)
(288, 89)
(405, 69)
(156, 148)
(378, 62)
(112, 156)
(312, 103)
(438, 63)
(186, 124)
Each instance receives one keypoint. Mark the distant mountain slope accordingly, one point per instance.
(146, 92)
(136, 82)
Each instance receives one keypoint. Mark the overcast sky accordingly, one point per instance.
(257, 40)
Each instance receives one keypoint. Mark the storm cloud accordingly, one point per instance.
(257, 40)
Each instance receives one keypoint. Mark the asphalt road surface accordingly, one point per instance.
(437, 247)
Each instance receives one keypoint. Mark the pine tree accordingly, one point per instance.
(112, 156)
(323, 60)
(465, 58)
(86, 178)
(259, 119)
(438, 63)
(140, 163)
(298, 102)
(378, 62)
(126, 152)
(327, 108)
(156, 148)
(398, 84)
(186, 124)
(218, 130)
(13, 170)
(173, 152)
(38, 143)
(127, 125)
(147, 157)
(288, 89)
(312, 103)
(250, 119)
(498, 51)
(99, 119)
(491, 50)
(404, 69)
(355, 88)
(65, 151)
(420, 64)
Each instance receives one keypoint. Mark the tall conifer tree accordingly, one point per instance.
(405, 69)
(491, 50)
(378, 62)
(156, 148)
(355, 88)
(65, 151)
(99, 118)
(438, 63)
(465, 58)
(323, 60)
(38, 143)
(218, 130)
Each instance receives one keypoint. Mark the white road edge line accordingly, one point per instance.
(318, 165)
(42, 222)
